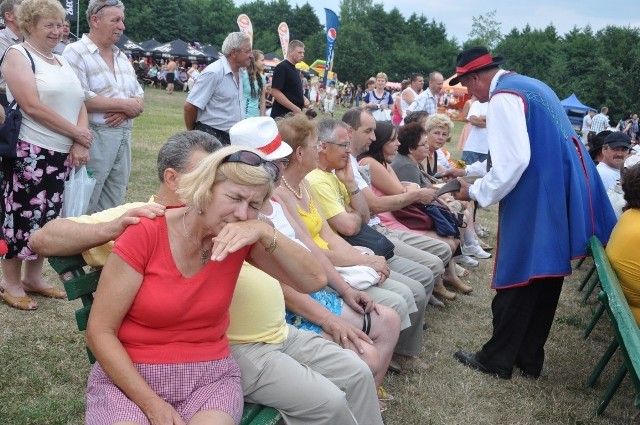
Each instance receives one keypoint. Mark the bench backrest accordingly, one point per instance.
(624, 322)
(79, 283)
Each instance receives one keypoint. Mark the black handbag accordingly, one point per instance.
(372, 239)
(10, 129)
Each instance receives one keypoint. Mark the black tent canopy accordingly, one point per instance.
(179, 49)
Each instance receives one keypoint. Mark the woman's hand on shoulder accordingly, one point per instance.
(235, 236)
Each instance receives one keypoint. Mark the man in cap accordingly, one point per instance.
(615, 150)
(542, 181)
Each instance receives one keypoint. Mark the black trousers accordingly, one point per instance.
(221, 135)
(522, 319)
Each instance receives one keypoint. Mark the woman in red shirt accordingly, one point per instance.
(161, 310)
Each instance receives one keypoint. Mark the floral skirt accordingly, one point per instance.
(328, 299)
(32, 186)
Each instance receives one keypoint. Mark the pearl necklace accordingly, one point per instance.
(52, 57)
(296, 194)
(205, 254)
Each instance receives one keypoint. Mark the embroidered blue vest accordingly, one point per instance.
(558, 203)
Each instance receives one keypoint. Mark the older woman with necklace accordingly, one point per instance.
(54, 136)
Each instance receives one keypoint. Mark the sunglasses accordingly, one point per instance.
(255, 160)
(107, 3)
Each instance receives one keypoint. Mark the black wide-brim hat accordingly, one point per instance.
(474, 60)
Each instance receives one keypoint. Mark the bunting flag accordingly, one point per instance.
(244, 23)
(332, 34)
(283, 35)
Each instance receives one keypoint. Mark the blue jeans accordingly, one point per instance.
(470, 157)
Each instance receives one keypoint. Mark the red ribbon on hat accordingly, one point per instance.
(475, 64)
(273, 145)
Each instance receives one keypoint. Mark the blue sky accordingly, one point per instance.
(456, 15)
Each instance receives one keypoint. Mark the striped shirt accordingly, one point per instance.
(97, 78)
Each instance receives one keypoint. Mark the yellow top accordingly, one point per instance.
(624, 256)
(97, 257)
(313, 221)
(257, 311)
(331, 194)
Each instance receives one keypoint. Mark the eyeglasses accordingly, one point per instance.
(255, 160)
(342, 145)
(107, 3)
(419, 145)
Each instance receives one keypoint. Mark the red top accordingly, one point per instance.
(175, 319)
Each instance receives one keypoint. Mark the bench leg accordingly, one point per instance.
(579, 263)
(611, 389)
(586, 277)
(594, 320)
(602, 363)
(592, 285)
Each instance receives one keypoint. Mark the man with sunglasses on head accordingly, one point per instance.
(113, 98)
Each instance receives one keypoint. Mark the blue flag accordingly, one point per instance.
(332, 33)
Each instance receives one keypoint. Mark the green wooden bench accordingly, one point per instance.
(627, 334)
(80, 283)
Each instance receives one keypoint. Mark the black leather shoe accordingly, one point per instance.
(469, 359)
(527, 374)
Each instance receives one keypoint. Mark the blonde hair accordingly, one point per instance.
(32, 10)
(382, 75)
(196, 186)
(438, 120)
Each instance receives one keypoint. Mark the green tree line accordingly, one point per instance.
(601, 67)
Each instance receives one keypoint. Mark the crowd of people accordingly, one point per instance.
(284, 254)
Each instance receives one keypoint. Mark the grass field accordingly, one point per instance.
(43, 365)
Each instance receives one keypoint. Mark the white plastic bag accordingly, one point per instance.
(382, 115)
(77, 192)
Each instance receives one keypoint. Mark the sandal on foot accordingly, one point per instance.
(383, 395)
(46, 292)
(21, 303)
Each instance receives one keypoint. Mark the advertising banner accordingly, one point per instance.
(283, 35)
(244, 23)
(332, 34)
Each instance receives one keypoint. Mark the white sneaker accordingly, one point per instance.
(466, 261)
(474, 251)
